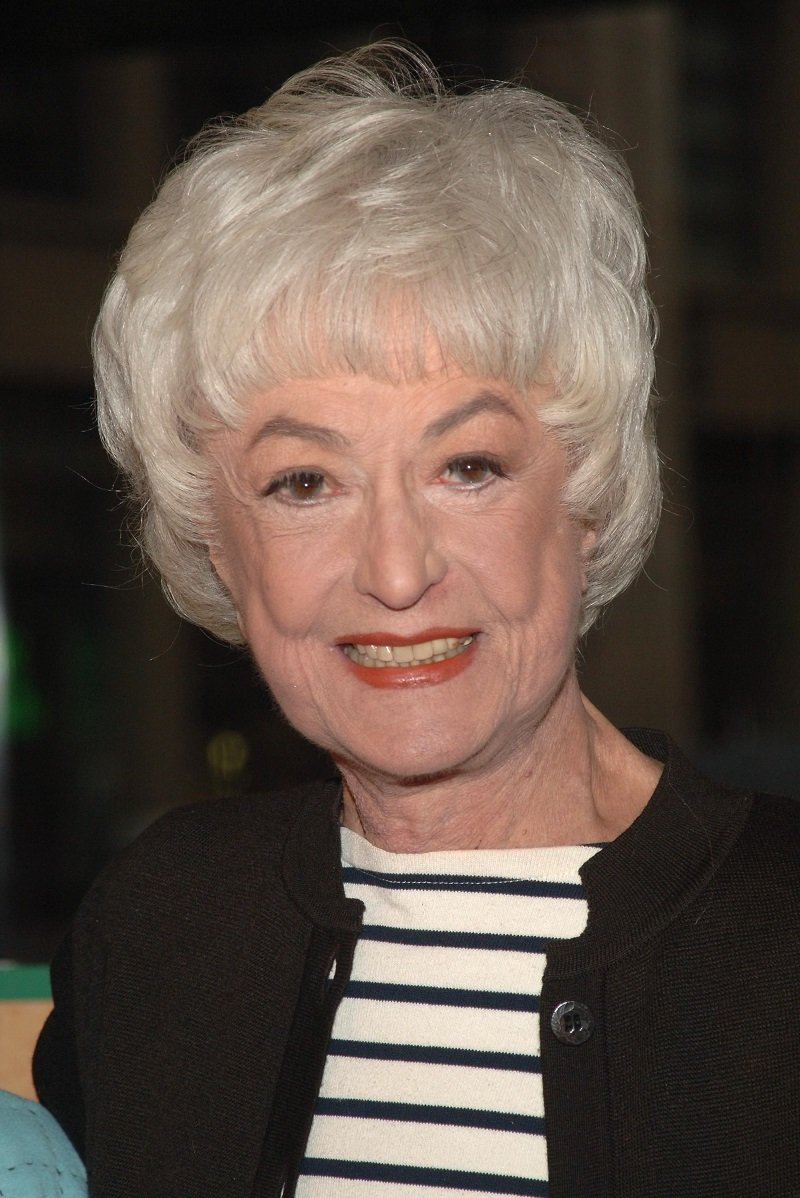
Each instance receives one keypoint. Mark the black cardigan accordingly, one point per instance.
(191, 1013)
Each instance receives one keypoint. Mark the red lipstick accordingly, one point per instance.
(443, 654)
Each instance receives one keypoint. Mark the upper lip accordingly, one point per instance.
(394, 638)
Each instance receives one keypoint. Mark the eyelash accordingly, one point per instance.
(281, 486)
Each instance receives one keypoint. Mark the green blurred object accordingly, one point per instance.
(24, 981)
(24, 702)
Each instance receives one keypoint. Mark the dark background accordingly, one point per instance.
(111, 708)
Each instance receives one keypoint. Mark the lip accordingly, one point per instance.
(399, 677)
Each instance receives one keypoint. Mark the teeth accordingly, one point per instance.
(377, 656)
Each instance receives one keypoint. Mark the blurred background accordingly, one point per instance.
(111, 708)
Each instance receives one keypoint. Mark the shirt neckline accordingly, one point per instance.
(548, 863)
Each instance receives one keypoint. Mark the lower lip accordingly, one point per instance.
(399, 677)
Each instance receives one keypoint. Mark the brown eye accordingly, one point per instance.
(473, 471)
(298, 486)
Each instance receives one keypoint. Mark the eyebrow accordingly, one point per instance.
(486, 401)
(288, 426)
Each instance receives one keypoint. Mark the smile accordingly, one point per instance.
(420, 654)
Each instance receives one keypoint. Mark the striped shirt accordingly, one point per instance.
(432, 1085)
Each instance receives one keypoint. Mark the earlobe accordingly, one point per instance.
(588, 543)
(221, 568)
(219, 564)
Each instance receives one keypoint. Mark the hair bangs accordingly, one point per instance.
(372, 309)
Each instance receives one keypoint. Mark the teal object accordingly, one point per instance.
(36, 1158)
(24, 981)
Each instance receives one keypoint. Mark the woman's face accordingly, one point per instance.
(418, 525)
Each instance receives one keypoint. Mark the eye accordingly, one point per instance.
(473, 471)
(297, 486)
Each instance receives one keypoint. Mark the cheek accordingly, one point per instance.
(530, 561)
(280, 589)
(278, 579)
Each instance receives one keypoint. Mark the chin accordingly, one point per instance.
(416, 765)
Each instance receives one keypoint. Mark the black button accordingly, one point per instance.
(572, 1022)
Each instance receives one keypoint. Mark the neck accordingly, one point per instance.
(574, 780)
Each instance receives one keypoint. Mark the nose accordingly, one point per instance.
(397, 559)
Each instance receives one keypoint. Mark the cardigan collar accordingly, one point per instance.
(635, 885)
(641, 881)
(312, 871)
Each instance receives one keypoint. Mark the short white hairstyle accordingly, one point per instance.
(283, 244)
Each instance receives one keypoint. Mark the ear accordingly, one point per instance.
(220, 564)
(221, 567)
(587, 542)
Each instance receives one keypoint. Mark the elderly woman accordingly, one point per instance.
(377, 362)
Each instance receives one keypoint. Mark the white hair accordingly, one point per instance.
(284, 244)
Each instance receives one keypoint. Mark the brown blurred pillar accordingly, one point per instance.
(622, 65)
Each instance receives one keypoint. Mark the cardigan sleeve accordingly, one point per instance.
(55, 1061)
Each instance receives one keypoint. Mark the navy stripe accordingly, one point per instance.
(410, 1112)
(442, 996)
(451, 1179)
(528, 888)
(432, 1054)
(440, 939)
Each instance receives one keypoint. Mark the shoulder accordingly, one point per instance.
(226, 847)
(770, 839)
(251, 825)
(268, 816)
(778, 814)
(713, 839)
(757, 874)
(36, 1158)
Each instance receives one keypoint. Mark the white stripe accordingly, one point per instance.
(471, 1149)
(416, 1023)
(344, 1187)
(467, 911)
(435, 1085)
(467, 969)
